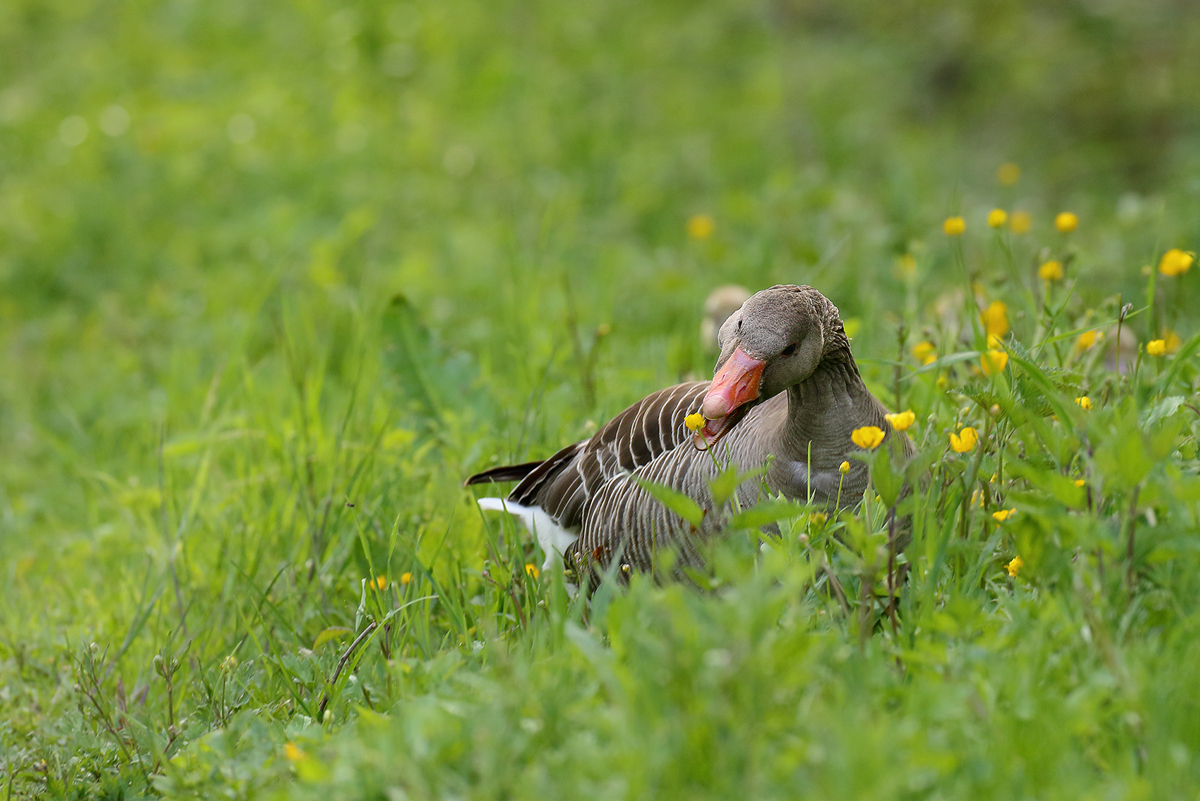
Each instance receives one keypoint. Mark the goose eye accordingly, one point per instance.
(789, 350)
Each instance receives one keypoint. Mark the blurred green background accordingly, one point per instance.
(206, 207)
(171, 172)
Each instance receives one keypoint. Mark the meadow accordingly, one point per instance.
(275, 278)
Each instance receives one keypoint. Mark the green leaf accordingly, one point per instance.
(887, 480)
(1050, 481)
(1123, 457)
(1186, 488)
(918, 466)
(765, 513)
(683, 505)
(1165, 408)
(1066, 410)
(1162, 438)
(406, 346)
(331, 633)
(725, 484)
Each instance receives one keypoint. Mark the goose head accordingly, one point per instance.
(774, 341)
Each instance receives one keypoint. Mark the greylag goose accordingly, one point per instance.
(785, 386)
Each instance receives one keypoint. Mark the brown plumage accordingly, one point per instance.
(786, 386)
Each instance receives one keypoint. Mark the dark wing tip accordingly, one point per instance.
(508, 472)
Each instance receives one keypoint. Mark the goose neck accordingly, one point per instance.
(823, 410)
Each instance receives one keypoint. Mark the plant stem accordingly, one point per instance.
(891, 569)
(1129, 545)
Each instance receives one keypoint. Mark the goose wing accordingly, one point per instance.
(561, 485)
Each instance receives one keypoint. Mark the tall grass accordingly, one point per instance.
(340, 258)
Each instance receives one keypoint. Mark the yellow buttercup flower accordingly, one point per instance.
(1088, 338)
(901, 420)
(1079, 482)
(1156, 347)
(1003, 514)
(379, 582)
(964, 441)
(993, 362)
(293, 752)
(997, 218)
(995, 319)
(1008, 173)
(924, 352)
(694, 421)
(700, 227)
(1022, 221)
(844, 468)
(1051, 271)
(532, 570)
(1176, 262)
(1172, 340)
(954, 226)
(1084, 402)
(405, 578)
(1015, 566)
(1066, 222)
(818, 519)
(867, 437)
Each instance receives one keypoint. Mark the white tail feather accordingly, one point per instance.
(552, 538)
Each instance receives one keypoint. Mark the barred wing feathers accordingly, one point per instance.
(563, 484)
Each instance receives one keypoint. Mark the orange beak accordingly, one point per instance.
(734, 386)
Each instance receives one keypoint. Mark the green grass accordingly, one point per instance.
(343, 256)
